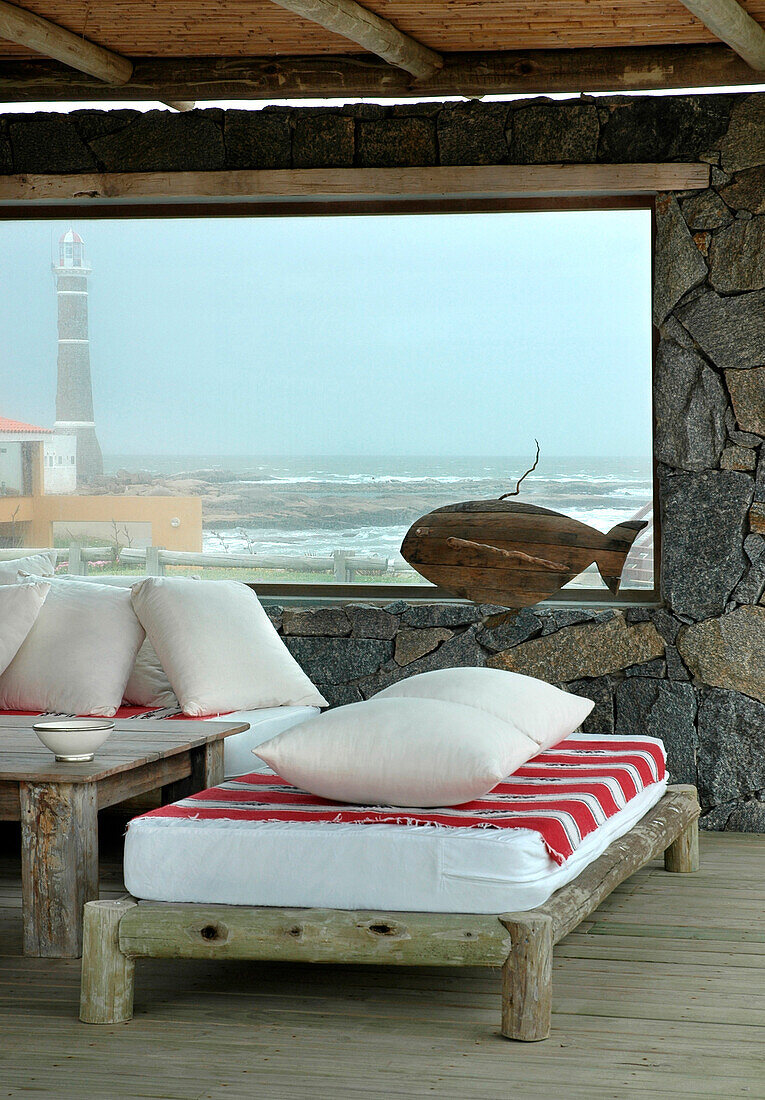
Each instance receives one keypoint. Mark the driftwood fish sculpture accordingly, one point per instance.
(512, 554)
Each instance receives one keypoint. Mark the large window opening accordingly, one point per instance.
(279, 399)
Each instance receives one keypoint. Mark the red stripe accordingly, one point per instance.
(551, 830)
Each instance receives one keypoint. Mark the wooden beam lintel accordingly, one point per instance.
(633, 68)
(342, 184)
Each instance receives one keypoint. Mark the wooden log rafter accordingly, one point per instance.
(27, 29)
(629, 68)
(356, 23)
(729, 22)
(41, 35)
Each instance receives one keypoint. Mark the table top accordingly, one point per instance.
(134, 742)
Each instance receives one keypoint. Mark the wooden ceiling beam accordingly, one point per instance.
(350, 20)
(26, 29)
(633, 68)
(728, 21)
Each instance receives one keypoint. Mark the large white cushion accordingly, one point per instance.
(219, 648)
(148, 685)
(399, 752)
(41, 565)
(19, 607)
(545, 713)
(78, 655)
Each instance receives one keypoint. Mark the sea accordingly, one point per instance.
(597, 490)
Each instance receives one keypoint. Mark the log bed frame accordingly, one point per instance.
(118, 932)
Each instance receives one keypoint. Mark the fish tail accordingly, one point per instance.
(624, 534)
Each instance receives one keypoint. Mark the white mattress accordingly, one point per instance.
(264, 724)
(340, 866)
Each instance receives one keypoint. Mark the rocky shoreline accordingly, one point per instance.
(232, 500)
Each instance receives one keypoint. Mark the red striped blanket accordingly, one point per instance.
(563, 794)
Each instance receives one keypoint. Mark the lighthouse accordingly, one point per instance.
(74, 394)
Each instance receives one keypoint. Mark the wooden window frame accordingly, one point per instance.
(312, 192)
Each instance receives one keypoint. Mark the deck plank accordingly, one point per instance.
(659, 994)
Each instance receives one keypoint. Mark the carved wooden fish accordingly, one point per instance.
(512, 554)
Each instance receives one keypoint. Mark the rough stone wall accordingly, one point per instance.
(693, 671)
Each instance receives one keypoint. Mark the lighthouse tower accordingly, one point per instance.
(74, 395)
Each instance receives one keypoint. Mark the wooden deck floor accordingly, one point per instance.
(661, 994)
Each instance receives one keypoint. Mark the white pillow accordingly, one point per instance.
(544, 712)
(19, 607)
(399, 752)
(148, 685)
(78, 655)
(40, 565)
(219, 648)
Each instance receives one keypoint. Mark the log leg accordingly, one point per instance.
(206, 771)
(683, 853)
(106, 992)
(527, 978)
(59, 865)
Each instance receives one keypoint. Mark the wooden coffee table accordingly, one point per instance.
(58, 806)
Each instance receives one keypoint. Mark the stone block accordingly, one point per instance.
(746, 191)
(274, 612)
(558, 619)
(258, 139)
(652, 670)
(371, 622)
(728, 652)
(731, 331)
(731, 755)
(747, 393)
(579, 652)
(744, 144)
(397, 143)
(398, 607)
(689, 410)
(412, 644)
(340, 695)
(468, 134)
(339, 660)
(663, 128)
(554, 133)
(514, 630)
(161, 142)
(460, 651)
(666, 624)
(747, 817)
(676, 669)
(601, 717)
(738, 458)
(323, 139)
(657, 708)
(704, 518)
(737, 257)
(48, 143)
(94, 124)
(706, 210)
(678, 264)
(441, 614)
(716, 819)
(323, 622)
(6, 157)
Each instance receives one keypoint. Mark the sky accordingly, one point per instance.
(466, 334)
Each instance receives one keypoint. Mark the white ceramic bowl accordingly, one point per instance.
(74, 740)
